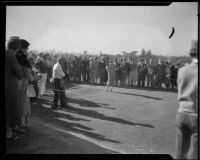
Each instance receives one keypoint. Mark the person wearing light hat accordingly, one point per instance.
(187, 114)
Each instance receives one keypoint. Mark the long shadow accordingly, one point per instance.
(35, 109)
(86, 103)
(81, 102)
(53, 117)
(94, 114)
(139, 95)
(151, 89)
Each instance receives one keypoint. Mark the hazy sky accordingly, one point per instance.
(111, 29)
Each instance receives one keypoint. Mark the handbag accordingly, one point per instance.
(30, 91)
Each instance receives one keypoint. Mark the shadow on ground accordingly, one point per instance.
(95, 114)
(150, 89)
(87, 103)
(139, 95)
(49, 115)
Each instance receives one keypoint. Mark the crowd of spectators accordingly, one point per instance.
(129, 72)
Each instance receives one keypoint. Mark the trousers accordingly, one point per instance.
(59, 93)
(186, 146)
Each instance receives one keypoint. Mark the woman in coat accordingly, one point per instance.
(13, 75)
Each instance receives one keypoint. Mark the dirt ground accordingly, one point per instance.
(136, 121)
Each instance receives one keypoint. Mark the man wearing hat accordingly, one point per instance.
(187, 114)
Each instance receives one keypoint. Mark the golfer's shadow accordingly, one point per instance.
(87, 103)
(94, 114)
(56, 118)
(139, 95)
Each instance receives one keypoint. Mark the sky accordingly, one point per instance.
(110, 29)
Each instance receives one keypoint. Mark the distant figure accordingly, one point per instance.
(76, 70)
(124, 70)
(163, 72)
(174, 73)
(111, 75)
(132, 72)
(167, 75)
(96, 70)
(83, 68)
(117, 72)
(150, 76)
(158, 75)
(142, 71)
(186, 146)
(102, 68)
(91, 65)
(70, 69)
(87, 71)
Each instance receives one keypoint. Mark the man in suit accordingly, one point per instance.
(187, 114)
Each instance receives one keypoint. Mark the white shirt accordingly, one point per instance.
(57, 71)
